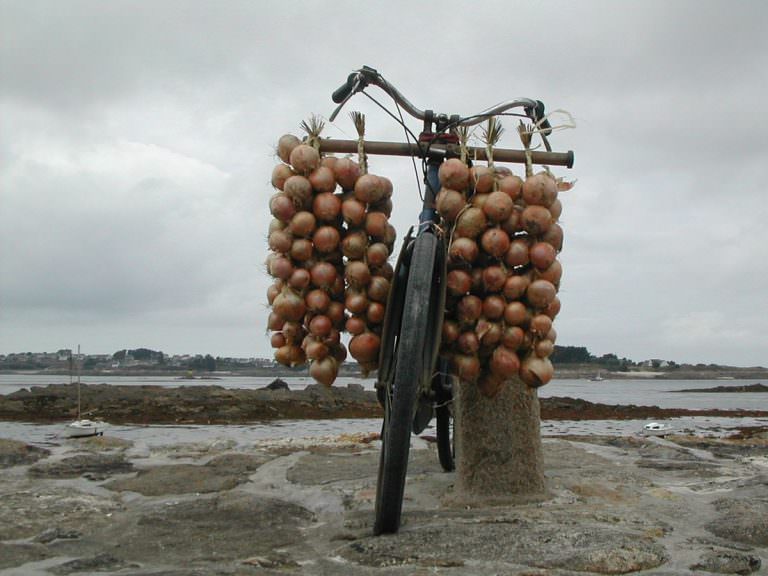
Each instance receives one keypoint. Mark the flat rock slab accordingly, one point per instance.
(95, 466)
(16, 453)
(220, 474)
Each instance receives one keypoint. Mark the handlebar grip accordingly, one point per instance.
(343, 92)
(545, 126)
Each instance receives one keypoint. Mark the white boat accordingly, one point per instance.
(596, 378)
(656, 429)
(82, 427)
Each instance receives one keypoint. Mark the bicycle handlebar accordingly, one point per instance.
(359, 79)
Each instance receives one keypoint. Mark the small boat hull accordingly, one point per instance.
(656, 429)
(84, 428)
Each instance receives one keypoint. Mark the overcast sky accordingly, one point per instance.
(136, 146)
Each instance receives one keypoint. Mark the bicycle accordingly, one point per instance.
(413, 383)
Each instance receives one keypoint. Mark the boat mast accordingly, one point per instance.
(78, 381)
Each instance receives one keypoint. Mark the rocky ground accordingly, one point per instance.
(218, 405)
(616, 505)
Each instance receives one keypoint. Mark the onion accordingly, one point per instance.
(365, 347)
(277, 340)
(536, 371)
(375, 313)
(468, 309)
(357, 273)
(376, 225)
(513, 224)
(470, 223)
(540, 293)
(481, 179)
(275, 321)
(275, 224)
(337, 288)
(556, 209)
(553, 273)
(355, 325)
(552, 335)
(353, 211)
(280, 241)
(285, 146)
(298, 188)
(356, 302)
(517, 253)
(511, 185)
(369, 189)
(302, 224)
(463, 250)
(377, 254)
(477, 280)
(290, 355)
(335, 312)
(539, 189)
(323, 180)
(289, 306)
(513, 337)
(468, 342)
(279, 266)
(314, 348)
(450, 331)
(274, 289)
(282, 207)
(554, 308)
(454, 174)
(329, 162)
(304, 158)
(326, 207)
(536, 220)
(339, 352)
(458, 282)
(320, 325)
(466, 367)
(449, 203)
(384, 206)
(495, 242)
(386, 271)
(378, 289)
(293, 331)
(542, 255)
(544, 348)
(490, 333)
(515, 314)
(494, 278)
(493, 307)
(299, 279)
(498, 206)
(479, 200)
(323, 274)
(280, 174)
(324, 370)
(347, 171)
(301, 250)
(317, 300)
(326, 239)
(541, 324)
(390, 235)
(355, 245)
(504, 362)
(554, 235)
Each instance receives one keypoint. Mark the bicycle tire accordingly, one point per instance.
(400, 405)
(445, 451)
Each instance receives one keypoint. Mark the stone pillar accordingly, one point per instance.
(498, 444)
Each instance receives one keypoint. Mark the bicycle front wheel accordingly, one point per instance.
(412, 357)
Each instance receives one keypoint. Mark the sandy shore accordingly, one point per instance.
(616, 505)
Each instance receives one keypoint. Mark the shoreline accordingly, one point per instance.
(211, 404)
